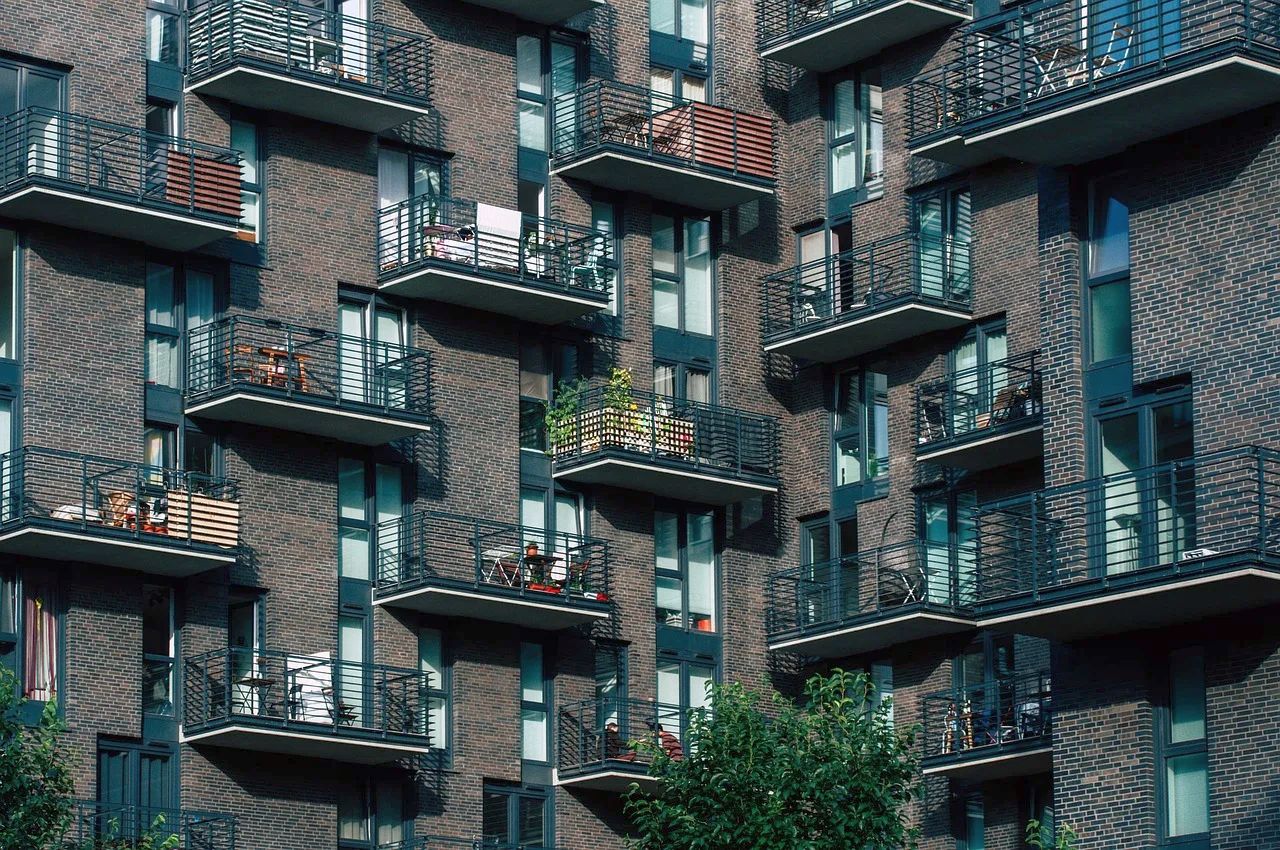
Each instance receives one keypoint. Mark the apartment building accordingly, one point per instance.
(406, 405)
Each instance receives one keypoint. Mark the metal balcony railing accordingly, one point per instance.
(118, 163)
(308, 43)
(494, 242)
(978, 402)
(1158, 524)
(118, 499)
(243, 353)
(442, 842)
(598, 735)
(508, 560)
(867, 280)
(783, 20)
(308, 694)
(870, 585)
(113, 826)
(1041, 56)
(670, 432)
(608, 115)
(1012, 713)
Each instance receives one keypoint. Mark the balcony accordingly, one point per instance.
(633, 140)
(866, 298)
(287, 56)
(267, 373)
(871, 601)
(1044, 84)
(493, 259)
(609, 745)
(72, 507)
(981, 418)
(119, 181)
(996, 730)
(127, 827)
(540, 11)
(1151, 548)
(304, 705)
(823, 35)
(463, 567)
(668, 447)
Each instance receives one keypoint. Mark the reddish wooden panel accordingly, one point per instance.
(216, 189)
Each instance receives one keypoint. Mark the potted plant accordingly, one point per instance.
(531, 549)
(560, 415)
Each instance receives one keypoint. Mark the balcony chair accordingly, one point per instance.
(933, 423)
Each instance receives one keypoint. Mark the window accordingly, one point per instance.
(607, 259)
(547, 74)
(969, 821)
(669, 86)
(1137, 528)
(881, 675)
(677, 380)
(8, 295)
(371, 813)
(544, 366)
(1039, 796)
(178, 299)
(1184, 761)
(684, 545)
(861, 440)
(164, 17)
(828, 566)
(411, 184)
(855, 136)
(431, 661)
(532, 103)
(551, 518)
(157, 650)
(515, 817)
(368, 494)
(40, 640)
(682, 262)
(944, 235)
(374, 338)
(244, 138)
(534, 729)
(684, 683)
(948, 528)
(611, 682)
(975, 382)
(1107, 275)
(139, 776)
(682, 19)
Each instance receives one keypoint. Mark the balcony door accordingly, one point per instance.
(135, 784)
(944, 231)
(974, 376)
(370, 354)
(829, 570)
(23, 87)
(948, 530)
(683, 683)
(1143, 511)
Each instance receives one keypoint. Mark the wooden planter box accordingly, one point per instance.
(217, 184)
(606, 428)
(209, 520)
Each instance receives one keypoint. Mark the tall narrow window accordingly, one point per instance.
(534, 730)
(682, 262)
(162, 327)
(855, 136)
(515, 817)
(370, 814)
(351, 675)
(684, 684)
(244, 138)
(40, 641)
(431, 662)
(1107, 275)
(530, 87)
(611, 682)
(861, 439)
(8, 295)
(164, 17)
(606, 258)
(1184, 750)
(970, 819)
(157, 650)
(685, 563)
(944, 235)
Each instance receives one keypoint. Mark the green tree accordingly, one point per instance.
(763, 773)
(34, 781)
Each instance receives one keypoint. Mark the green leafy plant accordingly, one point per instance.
(560, 415)
(114, 838)
(760, 772)
(1045, 837)
(35, 783)
(617, 390)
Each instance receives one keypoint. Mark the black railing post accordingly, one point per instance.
(1035, 546)
(1260, 466)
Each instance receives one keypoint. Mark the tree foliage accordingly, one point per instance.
(35, 784)
(763, 773)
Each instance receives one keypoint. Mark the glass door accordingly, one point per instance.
(354, 37)
(244, 645)
(1144, 517)
(371, 367)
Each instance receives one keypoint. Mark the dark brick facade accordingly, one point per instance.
(1205, 249)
